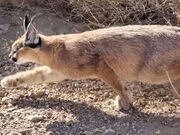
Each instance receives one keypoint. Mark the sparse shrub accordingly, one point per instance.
(101, 13)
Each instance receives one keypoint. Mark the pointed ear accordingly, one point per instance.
(26, 22)
(32, 38)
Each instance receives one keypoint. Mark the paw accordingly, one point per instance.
(122, 103)
(9, 82)
(4, 83)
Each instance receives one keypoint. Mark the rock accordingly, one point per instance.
(35, 118)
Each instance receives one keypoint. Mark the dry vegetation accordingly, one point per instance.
(101, 13)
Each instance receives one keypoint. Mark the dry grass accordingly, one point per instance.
(101, 13)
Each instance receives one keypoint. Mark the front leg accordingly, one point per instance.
(34, 76)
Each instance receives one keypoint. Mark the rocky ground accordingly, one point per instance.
(83, 107)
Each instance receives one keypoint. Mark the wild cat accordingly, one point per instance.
(115, 55)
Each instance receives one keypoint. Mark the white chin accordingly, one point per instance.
(22, 61)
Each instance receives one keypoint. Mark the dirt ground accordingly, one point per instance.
(83, 107)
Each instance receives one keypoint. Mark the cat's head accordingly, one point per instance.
(24, 47)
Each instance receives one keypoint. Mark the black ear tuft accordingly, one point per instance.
(35, 44)
(32, 38)
(26, 23)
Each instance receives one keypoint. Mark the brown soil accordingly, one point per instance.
(76, 107)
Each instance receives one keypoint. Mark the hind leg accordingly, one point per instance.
(123, 100)
(105, 73)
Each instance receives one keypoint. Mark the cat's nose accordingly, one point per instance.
(14, 59)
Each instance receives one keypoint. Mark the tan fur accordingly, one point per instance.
(115, 55)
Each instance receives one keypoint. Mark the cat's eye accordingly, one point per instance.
(14, 51)
(18, 47)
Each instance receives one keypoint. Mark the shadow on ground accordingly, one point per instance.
(91, 120)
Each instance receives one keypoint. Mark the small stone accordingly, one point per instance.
(11, 109)
(49, 115)
(109, 131)
(39, 93)
(50, 133)
(35, 118)
(11, 118)
(21, 96)
(5, 99)
(97, 130)
(25, 131)
(1, 114)
(31, 95)
(2, 93)
(158, 132)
